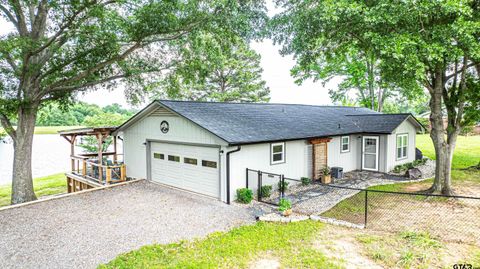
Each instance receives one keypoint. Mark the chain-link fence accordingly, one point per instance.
(451, 218)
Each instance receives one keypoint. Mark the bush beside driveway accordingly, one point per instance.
(82, 231)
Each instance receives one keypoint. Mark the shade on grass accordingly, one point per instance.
(49, 185)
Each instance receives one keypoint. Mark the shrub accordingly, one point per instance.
(266, 191)
(282, 186)
(408, 166)
(325, 171)
(306, 181)
(284, 204)
(398, 168)
(244, 195)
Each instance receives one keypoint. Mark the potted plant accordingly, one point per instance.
(285, 207)
(326, 177)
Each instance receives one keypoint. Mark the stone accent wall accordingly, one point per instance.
(319, 158)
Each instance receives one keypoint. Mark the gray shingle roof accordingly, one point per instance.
(243, 123)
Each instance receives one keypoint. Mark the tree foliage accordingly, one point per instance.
(215, 68)
(55, 115)
(421, 47)
(59, 48)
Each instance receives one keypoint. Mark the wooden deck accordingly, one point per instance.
(91, 170)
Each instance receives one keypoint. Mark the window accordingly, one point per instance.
(402, 146)
(173, 158)
(345, 144)
(277, 152)
(190, 161)
(209, 164)
(158, 156)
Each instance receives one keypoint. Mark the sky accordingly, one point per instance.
(276, 73)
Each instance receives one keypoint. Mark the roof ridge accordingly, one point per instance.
(254, 103)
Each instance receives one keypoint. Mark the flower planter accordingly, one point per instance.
(326, 179)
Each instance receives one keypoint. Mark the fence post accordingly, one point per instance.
(366, 207)
(259, 193)
(246, 176)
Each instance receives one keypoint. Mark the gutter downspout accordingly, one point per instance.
(228, 171)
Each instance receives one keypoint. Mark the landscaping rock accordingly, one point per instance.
(413, 173)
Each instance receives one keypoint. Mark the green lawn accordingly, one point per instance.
(291, 245)
(50, 129)
(296, 245)
(53, 184)
(467, 153)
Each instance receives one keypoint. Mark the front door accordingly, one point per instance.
(370, 153)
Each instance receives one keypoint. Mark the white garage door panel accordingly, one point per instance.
(196, 178)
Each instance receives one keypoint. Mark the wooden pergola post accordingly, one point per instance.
(115, 149)
(100, 155)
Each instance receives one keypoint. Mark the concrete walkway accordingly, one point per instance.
(85, 230)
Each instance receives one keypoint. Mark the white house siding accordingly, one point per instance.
(349, 161)
(257, 157)
(405, 127)
(148, 128)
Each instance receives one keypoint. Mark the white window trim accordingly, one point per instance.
(283, 153)
(401, 146)
(341, 144)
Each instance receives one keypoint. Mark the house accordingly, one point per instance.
(206, 147)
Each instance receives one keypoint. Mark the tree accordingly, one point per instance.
(52, 115)
(90, 143)
(117, 108)
(215, 68)
(423, 47)
(332, 50)
(59, 48)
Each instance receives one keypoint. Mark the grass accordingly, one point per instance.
(467, 153)
(291, 245)
(402, 250)
(53, 129)
(50, 129)
(49, 185)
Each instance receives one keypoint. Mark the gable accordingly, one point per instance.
(179, 129)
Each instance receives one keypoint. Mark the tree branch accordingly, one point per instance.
(22, 26)
(7, 125)
(447, 78)
(93, 69)
(87, 84)
(10, 16)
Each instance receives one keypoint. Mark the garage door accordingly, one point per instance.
(193, 168)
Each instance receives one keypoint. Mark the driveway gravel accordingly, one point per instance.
(85, 230)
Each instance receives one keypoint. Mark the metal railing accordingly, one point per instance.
(104, 173)
(268, 187)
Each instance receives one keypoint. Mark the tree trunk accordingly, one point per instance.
(380, 99)
(451, 143)
(22, 182)
(438, 135)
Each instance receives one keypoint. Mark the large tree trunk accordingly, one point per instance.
(450, 148)
(22, 182)
(438, 134)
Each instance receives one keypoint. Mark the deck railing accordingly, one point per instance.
(104, 173)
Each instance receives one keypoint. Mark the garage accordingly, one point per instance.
(189, 167)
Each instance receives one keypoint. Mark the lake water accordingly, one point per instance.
(50, 155)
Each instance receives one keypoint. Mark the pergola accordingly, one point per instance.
(101, 133)
(93, 172)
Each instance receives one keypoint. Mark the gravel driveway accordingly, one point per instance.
(82, 231)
